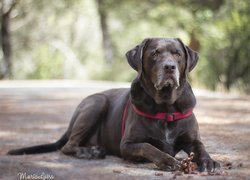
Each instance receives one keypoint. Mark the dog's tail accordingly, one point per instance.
(43, 148)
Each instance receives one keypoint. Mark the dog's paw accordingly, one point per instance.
(169, 164)
(208, 165)
(92, 152)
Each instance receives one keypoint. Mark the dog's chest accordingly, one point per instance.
(169, 135)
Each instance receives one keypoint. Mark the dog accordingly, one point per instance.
(153, 120)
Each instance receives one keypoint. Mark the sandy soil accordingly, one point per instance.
(34, 113)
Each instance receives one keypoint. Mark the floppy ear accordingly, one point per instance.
(134, 57)
(192, 57)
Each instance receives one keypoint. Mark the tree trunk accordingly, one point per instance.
(6, 46)
(106, 38)
(5, 38)
(194, 41)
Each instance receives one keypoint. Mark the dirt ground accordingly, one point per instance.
(38, 112)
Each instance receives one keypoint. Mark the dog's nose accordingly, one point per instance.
(170, 67)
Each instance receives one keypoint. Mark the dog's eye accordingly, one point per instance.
(177, 53)
(155, 53)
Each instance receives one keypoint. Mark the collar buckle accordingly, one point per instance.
(170, 117)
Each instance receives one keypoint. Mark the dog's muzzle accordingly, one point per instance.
(168, 76)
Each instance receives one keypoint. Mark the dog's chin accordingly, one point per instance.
(170, 83)
(165, 92)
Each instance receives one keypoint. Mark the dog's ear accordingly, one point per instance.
(135, 55)
(192, 57)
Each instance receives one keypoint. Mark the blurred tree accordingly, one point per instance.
(88, 39)
(201, 11)
(6, 7)
(108, 46)
(237, 52)
(36, 24)
(227, 49)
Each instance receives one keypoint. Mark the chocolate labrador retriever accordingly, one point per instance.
(153, 120)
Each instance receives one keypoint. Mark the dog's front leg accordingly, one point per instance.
(134, 151)
(202, 158)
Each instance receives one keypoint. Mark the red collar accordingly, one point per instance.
(168, 117)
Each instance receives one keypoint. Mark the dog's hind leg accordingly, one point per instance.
(85, 121)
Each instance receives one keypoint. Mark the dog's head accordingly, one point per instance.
(162, 65)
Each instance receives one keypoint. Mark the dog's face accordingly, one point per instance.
(162, 64)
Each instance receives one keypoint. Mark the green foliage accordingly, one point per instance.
(227, 49)
(48, 64)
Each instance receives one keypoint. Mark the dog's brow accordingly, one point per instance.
(169, 47)
(175, 49)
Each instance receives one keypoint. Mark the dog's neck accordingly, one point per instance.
(183, 99)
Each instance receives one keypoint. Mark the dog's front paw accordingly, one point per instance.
(168, 164)
(208, 165)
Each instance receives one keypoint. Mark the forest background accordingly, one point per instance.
(87, 40)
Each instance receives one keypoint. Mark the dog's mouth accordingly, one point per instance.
(165, 85)
(169, 82)
(166, 92)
